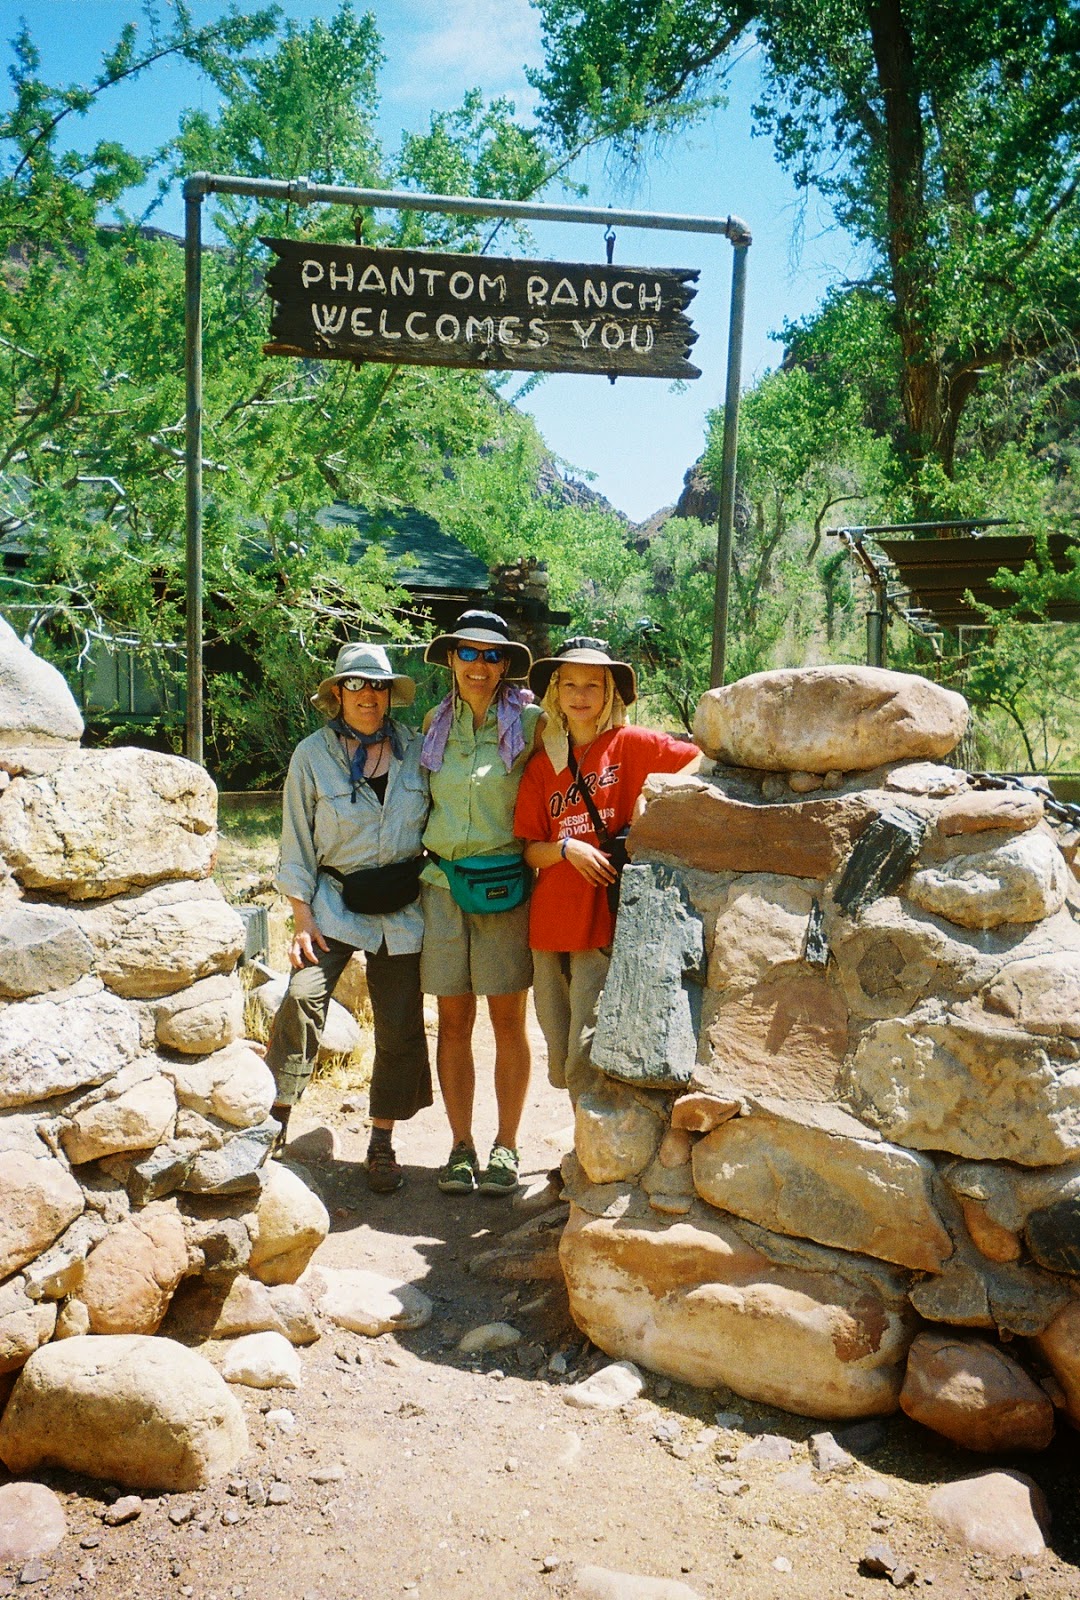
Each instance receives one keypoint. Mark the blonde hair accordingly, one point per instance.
(557, 734)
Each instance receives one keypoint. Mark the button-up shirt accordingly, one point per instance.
(472, 794)
(327, 821)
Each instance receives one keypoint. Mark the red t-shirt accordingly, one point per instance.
(566, 913)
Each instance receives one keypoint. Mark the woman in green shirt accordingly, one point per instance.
(475, 748)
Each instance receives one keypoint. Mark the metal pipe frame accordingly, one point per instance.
(301, 191)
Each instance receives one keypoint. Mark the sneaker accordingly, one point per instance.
(383, 1173)
(459, 1174)
(500, 1176)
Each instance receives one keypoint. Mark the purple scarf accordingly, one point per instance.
(509, 703)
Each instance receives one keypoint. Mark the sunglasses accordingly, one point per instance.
(354, 685)
(471, 652)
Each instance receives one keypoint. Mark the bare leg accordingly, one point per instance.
(454, 1062)
(513, 1062)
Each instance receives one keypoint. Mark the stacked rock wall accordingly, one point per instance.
(834, 1160)
(135, 1123)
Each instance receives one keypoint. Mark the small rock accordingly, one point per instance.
(89, 1541)
(510, 1464)
(732, 1486)
(488, 1337)
(999, 1513)
(667, 1430)
(550, 1564)
(729, 1419)
(178, 1515)
(766, 1447)
(901, 1576)
(828, 1456)
(800, 1480)
(281, 1419)
(126, 1509)
(230, 1516)
(607, 1390)
(88, 1571)
(861, 1438)
(256, 1492)
(877, 1561)
(279, 1494)
(327, 1474)
(598, 1583)
(557, 1364)
(35, 1572)
(782, 1564)
(32, 1521)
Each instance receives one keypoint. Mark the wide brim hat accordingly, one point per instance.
(364, 661)
(584, 652)
(483, 629)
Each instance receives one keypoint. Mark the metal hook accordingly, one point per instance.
(358, 225)
(609, 240)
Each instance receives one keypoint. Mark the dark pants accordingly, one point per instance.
(401, 1077)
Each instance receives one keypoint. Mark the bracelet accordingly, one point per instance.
(562, 849)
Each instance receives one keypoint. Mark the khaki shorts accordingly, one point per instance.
(470, 953)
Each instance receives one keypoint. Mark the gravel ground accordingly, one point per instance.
(402, 1467)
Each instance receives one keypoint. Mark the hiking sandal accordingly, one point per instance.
(383, 1173)
(459, 1174)
(500, 1176)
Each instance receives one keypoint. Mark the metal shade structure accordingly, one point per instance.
(939, 573)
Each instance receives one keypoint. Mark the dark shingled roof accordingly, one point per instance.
(439, 561)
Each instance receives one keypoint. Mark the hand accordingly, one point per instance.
(592, 863)
(305, 937)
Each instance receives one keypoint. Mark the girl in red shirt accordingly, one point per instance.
(585, 694)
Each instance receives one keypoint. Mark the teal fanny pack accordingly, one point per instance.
(488, 883)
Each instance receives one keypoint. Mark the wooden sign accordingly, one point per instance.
(431, 309)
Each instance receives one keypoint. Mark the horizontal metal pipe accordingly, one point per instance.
(301, 191)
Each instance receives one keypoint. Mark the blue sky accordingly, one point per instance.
(636, 438)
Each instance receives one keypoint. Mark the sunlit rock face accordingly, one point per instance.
(842, 1038)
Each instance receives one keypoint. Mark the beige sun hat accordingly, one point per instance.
(362, 660)
(586, 652)
(483, 629)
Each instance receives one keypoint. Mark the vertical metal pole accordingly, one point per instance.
(193, 450)
(726, 518)
(875, 625)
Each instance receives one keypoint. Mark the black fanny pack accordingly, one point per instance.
(376, 890)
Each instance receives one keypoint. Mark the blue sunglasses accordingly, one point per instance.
(471, 652)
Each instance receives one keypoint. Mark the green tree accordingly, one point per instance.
(945, 136)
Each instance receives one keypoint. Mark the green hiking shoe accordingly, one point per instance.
(500, 1176)
(459, 1174)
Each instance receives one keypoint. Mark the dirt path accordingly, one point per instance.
(402, 1468)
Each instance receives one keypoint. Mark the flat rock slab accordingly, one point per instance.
(600, 1583)
(695, 822)
(999, 1513)
(143, 1412)
(977, 812)
(32, 1521)
(823, 719)
(366, 1302)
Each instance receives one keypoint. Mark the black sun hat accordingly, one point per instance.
(485, 630)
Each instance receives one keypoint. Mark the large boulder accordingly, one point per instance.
(94, 823)
(130, 1276)
(826, 719)
(153, 942)
(1023, 879)
(815, 1173)
(1059, 1346)
(233, 1084)
(51, 1045)
(826, 1336)
(988, 1093)
(207, 1016)
(41, 948)
(36, 705)
(38, 1198)
(971, 1392)
(146, 1413)
(138, 1118)
(291, 1223)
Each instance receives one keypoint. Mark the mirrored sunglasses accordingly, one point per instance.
(354, 685)
(470, 652)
